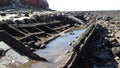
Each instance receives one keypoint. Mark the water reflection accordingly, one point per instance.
(58, 46)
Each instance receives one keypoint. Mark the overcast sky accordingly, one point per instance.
(83, 5)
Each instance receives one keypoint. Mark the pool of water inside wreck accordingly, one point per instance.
(56, 51)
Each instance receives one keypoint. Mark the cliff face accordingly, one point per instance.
(35, 3)
(4, 2)
(30, 3)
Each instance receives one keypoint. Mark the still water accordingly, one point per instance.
(58, 46)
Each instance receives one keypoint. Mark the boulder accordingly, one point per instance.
(116, 51)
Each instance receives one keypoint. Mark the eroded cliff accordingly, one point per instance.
(28, 3)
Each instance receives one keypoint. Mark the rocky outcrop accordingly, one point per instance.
(4, 2)
(35, 3)
(29, 3)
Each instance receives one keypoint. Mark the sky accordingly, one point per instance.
(84, 5)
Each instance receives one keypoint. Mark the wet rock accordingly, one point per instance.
(36, 17)
(116, 51)
(43, 46)
(1, 52)
(38, 44)
(95, 66)
(72, 33)
(3, 14)
(116, 58)
(27, 15)
(110, 35)
(36, 57)
(102, 55)
(77, 37)
(70, 43)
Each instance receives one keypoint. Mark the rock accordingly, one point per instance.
(102, 55)
(36, 57)
(70, 43)
(29, 3)
(3, 48)
(77, 37)
(43, 46)
(36, 17)
(3, 14)
(27, 15)
(71, 33)
(4, 3)
(116, 51)
(35, 3)
(116, 58)
(2, 66)
(38, 44)
(1, 52)
(16, 57)
(117, 35)
(109, 64)
(10, 55)
(94, 66)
